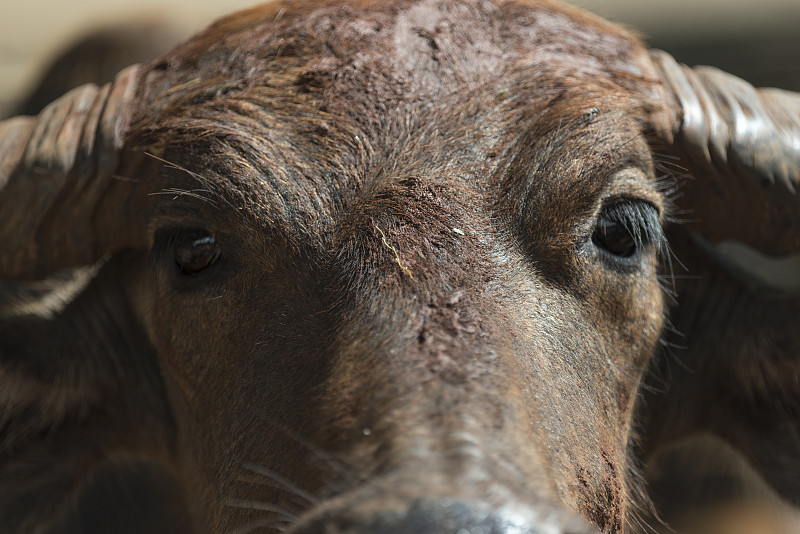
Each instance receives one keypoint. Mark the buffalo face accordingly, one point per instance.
(357, 269)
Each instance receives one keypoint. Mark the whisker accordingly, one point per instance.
(281, 482)
(193, 193)
(196, 176)
(262, 506)
(336, 465)
(279, 526)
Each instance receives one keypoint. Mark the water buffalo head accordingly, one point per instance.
(369, 268)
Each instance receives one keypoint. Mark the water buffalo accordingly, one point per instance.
(410, 267)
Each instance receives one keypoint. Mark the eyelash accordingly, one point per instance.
(626, 228)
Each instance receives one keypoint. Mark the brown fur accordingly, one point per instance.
(357, 149)
(409, 310)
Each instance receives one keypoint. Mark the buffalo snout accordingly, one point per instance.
(438, 516)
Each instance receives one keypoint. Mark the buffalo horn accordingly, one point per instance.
(740, 147)
(60, 202)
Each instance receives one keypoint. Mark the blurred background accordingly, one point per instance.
(757, 40)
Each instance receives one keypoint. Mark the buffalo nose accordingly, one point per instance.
(447, 516)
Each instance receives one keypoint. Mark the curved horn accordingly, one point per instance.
(742, 147)
(57, 191)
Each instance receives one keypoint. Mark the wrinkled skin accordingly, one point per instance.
(405, 321)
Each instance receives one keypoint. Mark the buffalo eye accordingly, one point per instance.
(195, 251)
(627, 227)
(614, 237)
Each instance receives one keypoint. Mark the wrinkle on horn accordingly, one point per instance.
(56, 179)
(741, 147)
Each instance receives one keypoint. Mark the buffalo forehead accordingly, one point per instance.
(391, 53)
(318, 105)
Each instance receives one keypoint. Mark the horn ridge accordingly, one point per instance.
(53, 182)
(116, 118)
(742, 148)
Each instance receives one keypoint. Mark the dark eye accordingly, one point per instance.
(195, 250)
(627, 227)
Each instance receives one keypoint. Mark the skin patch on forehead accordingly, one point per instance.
(388, 51)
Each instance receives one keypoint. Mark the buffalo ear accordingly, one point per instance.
(130, 498)
(61, 203)
(87, 437)
(731, 367)
(732, 360)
